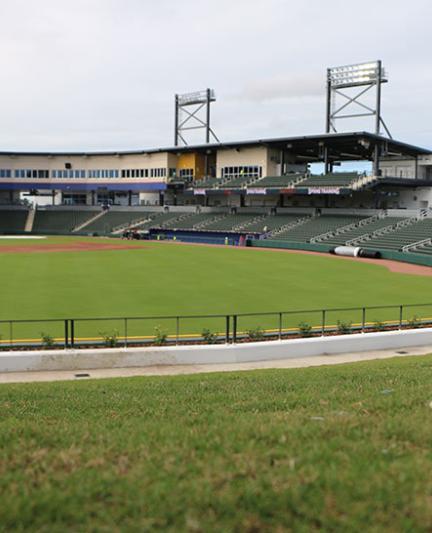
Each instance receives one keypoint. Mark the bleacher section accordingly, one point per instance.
(354, 233)
(206, 183)
(278, 182)
(60, 221)
(402, 236)
(229, 222)
(238, 183)
(114, 219)
(425, 249)
(272, 222)
(12, 220)
(190, 221)
(314, 227)
(337, 179)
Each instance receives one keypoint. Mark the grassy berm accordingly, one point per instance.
(345, 448)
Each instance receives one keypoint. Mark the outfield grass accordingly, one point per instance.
(344, 448)
(165, 279)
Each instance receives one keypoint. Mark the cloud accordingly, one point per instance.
(283, 87)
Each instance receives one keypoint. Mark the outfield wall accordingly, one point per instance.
(405, 257)
(211, 354)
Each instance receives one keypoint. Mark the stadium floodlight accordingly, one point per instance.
(346, 87)
(356, 75)
(190, 119)
(197, 97)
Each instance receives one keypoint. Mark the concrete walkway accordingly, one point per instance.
(172, 370)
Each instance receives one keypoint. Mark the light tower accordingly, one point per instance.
(346, 90)
(192, 112)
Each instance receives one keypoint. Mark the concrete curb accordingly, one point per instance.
(210, 354)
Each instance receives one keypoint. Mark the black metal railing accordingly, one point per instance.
(215, 328)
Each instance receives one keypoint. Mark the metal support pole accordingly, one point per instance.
(328, 117)
(11, 332)
(176, 120)
(400, 316)
(227, 329)
(125, 332)
(323, 319)
(234, 329)
(208, 116)
(326, 161)
(363, 319)
(177, 329)
(378, 98)
(72, 334)
(66, 334)
(280, 326)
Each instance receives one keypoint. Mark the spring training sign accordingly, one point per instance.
(323, 190)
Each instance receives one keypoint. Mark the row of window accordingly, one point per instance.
(246, 171)
(80, 173)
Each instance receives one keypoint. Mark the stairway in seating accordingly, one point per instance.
(30, 220)
(89, 221)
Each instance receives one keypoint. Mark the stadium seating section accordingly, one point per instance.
(313, 227)
(111, 220)
(278, 181)
(402, 236)
(60, 221)
(360, 230)
(12, 220)
(337, 179)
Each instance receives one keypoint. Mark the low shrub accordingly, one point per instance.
(160, 336)
(255, 334)
(110, 338)
(305, 329)
(208, 336)
(344, 328)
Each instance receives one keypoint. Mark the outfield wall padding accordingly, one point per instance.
(405, 257)
(211, 354)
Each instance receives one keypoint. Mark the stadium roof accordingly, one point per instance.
(308, 148)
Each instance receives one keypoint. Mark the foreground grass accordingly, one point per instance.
(339, 448)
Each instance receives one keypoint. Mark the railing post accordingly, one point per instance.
(125, 332)
(363, 319)
(280, 326)
(234, 329)
(11, 332)
(323, 319)
(66, 334)
(72, 333)
(400, 316)
(227, 329)
(177, 329)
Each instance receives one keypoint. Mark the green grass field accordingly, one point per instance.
(167, 279)
(344, 448)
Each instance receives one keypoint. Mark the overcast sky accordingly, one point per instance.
(101, 74)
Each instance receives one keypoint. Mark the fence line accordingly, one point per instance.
(227, 327)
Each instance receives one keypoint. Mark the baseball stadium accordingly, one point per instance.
(280, 253)
(222, 241)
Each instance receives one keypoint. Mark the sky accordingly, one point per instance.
(102, 74)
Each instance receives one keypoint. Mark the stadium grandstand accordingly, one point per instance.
(370, 190)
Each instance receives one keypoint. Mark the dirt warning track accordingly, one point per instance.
(72, 247)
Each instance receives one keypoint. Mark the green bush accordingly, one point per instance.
(344, 328)
(208, 336)
(255, 334)
(110, 338)
(47, 340)
(305, 329)
(160, 336)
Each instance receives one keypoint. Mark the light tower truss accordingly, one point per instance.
(344, 103)
(192, 112)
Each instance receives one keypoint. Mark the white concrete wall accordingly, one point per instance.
(242, 157)
(238, 353)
